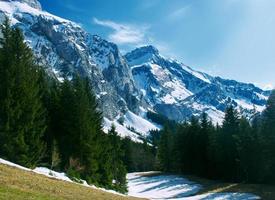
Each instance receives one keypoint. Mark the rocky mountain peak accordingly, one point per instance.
(128, 86)
(32, 3)
(142, 55)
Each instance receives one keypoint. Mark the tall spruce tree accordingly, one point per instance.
(80, 132)
(165, 150)
(65, 135)
(230, 159)
(203, 142)
(22, 115)
(118, 168)
(268, 141)
(248, 151)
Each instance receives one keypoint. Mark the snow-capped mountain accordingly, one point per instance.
(127, 86)
(64, 48)
(177, 91)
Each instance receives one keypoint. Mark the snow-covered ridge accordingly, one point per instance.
(32, 3)
(143, 78)
(11, 8)
(64, 48)
(178, 91)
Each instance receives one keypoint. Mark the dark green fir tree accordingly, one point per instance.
(22, 115)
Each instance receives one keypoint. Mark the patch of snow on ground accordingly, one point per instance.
(221, 196)
(5, 162)
(57, 175)
(50, 173)
(160, 187)
(175, 187)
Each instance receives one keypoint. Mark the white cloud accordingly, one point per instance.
(269, 87)
(124, 33)
(129, 36)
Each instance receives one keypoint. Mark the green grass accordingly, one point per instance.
(17, 184)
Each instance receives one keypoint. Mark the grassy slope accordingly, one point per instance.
(18, 184)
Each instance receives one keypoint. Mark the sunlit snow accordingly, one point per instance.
(176, 188)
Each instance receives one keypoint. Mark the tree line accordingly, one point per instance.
(58, 124)
(237, 151)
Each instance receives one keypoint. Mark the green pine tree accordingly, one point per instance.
(22, 123)
(230, 159)
(267, 139)
(80, 135)
(248, 151)
(118, 168)
(165, 149)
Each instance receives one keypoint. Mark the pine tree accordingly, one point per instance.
(203, 142)
(117, 154)
(50, 92)
(248, 151)
(88, 124)
(214, 153)
(268, 140)
(67, 110)
(165, 149)
(22, 122)
(128, 158)
(193, 151)
(230, 129)
(80, 135)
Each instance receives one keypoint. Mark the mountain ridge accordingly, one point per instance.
(127, 86)
(199, 92)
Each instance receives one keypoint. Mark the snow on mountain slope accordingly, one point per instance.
(140, 124)
(198, 74)
(65, 49)
(122, 130)
(124, 84)
(31, 7)
(132, 126)
(177, 91)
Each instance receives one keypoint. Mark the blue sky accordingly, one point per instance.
(229, 38)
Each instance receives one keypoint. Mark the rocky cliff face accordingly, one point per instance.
(64, 48)
(127, 86)
(177, 91)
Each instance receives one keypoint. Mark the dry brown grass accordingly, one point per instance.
(17, 184)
